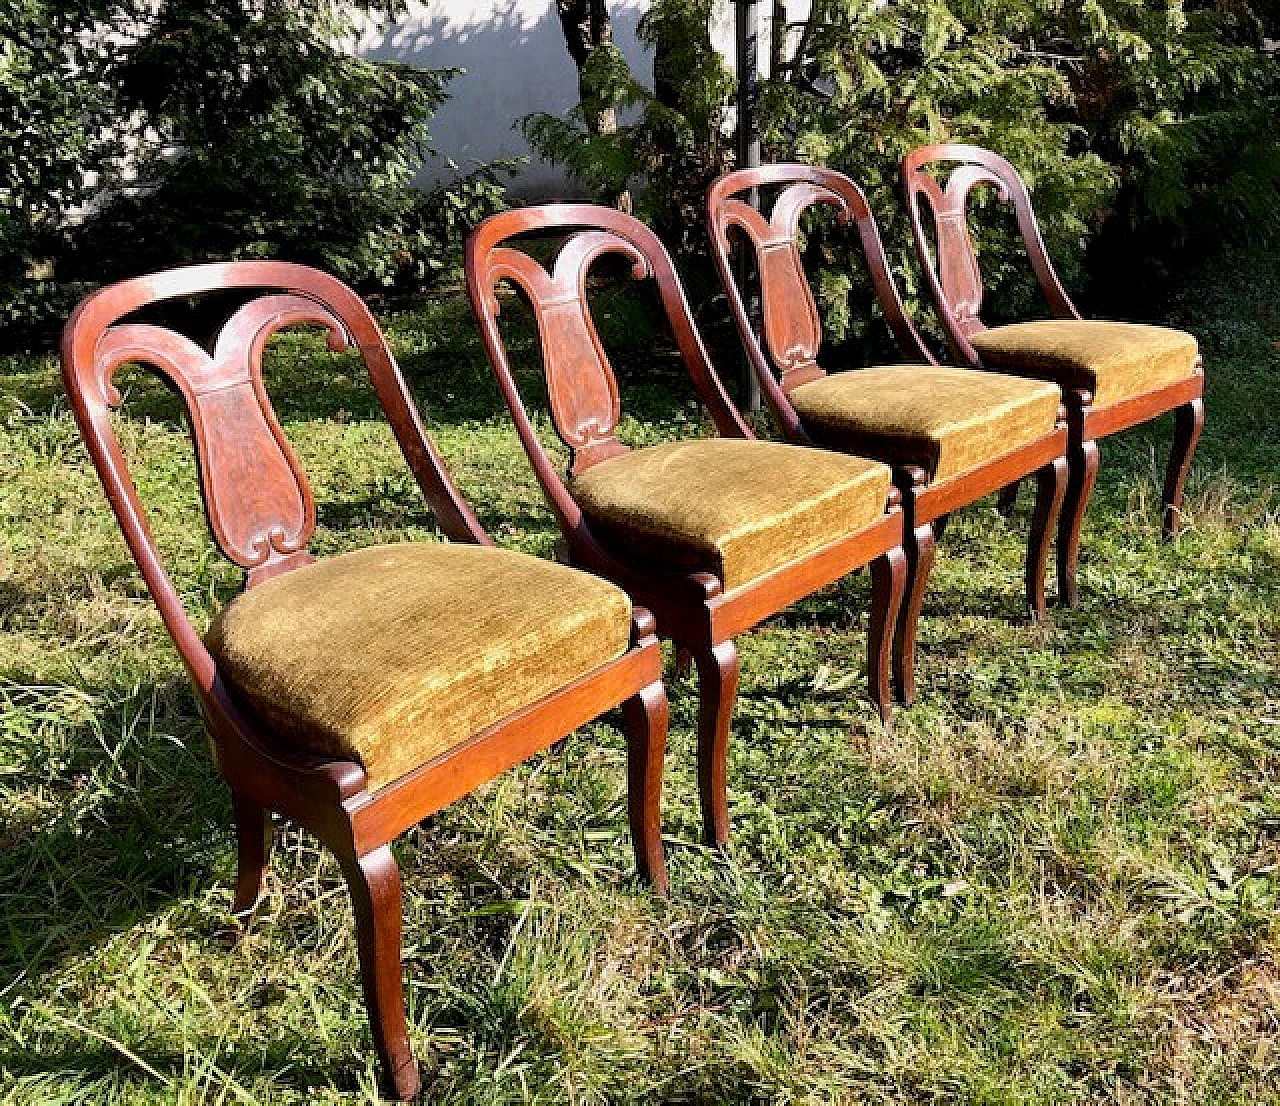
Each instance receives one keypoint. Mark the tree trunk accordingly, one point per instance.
(587, 28)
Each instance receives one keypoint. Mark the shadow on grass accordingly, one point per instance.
(296, 1063)
(139, 818)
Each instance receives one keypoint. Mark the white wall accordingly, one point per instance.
(516, 63)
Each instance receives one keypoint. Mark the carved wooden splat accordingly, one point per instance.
(957, 261)
(259, 503)
(792, 326)
(581, 386)
(787, 357)
(954, 275)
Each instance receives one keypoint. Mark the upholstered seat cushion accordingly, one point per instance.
(945, 420)
(735, 508)
(1114, 361)
(392, 655)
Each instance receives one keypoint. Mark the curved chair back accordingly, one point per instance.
(792, 329)
(953, 274)
(256, 496)
(581, 386)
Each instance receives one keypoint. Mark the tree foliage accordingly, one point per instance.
(1140, 127)
(674, 138)
(212, 129)
(52, 117)
(1149, 121)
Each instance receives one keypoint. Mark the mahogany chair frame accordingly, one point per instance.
(955, 282)
(788, 357)
(240, 444)
(692, 609)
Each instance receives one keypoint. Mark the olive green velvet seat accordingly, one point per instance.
(734, 508)
(945, 420)
(1114, 361)
(391, 656)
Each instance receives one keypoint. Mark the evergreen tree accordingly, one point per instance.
(679, 137)
(141, 134)
(53, 121)
(1151, 118)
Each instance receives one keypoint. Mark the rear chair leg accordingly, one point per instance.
(645, 717)
(888, 583)
(253, 849)
(1082, 464)
(374, 882)
(718, 667)
(1008, 499)
(921, 548)
(1188, 422)
(1051, 489)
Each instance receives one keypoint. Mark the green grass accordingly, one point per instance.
(1056, 881)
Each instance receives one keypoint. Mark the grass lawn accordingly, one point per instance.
(1056, 881)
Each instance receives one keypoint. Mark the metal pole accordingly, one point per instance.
(748, 66)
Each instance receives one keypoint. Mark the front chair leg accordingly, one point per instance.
(888, 583)
(921, 548)
(253, 848)
(374, 882)
(1082, 464)
(1051, 489)
(1188, 422)
(645, 717)
(718, 668)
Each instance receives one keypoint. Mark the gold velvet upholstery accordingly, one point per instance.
(738, 509)
(1114, 361)
(945, 420)
(392, 655)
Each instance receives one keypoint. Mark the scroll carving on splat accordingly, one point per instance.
(581, 386)
(259, 504)
(957, 261)
(792, 326)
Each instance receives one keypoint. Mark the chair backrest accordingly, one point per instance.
(256, 496)
(792, 328)
(581, 386)
(953, 274)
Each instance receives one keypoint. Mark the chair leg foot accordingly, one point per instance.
(718, 668)
(374, 882)
(921, 547)
(1188, 423)
(1051, 489)
(645, 717)
(1008, 499)
(1082, 463)
(253, 849)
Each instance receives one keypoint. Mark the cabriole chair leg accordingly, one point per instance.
(888, 583)
(1082, 463)
(1188, 423)
(374, 883)
(718, 668)
(645, 718)
(921, 548)
(253, 848)
(1051, 489)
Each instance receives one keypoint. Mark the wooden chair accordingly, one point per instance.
(360, 693)
(713, 536)
(952, 435)
(1114, 375)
